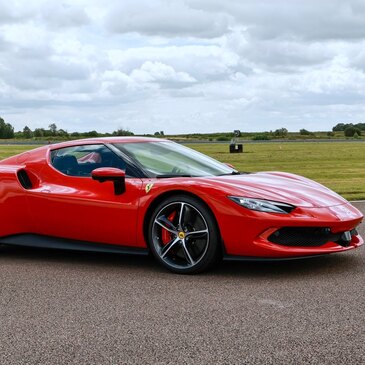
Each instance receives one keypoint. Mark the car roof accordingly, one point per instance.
(41, 152)
(98, 140)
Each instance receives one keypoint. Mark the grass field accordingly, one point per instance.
(11, 150)
(338, 165)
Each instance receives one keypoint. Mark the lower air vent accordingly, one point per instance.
(310, 236)
(24, 179)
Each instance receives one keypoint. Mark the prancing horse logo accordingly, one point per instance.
(148, 187)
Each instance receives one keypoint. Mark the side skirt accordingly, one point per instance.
(269, 259)
(40, 241)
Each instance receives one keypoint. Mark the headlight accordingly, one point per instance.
(263, 205)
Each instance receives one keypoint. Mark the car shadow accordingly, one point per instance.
(84, 258)
(333, 264)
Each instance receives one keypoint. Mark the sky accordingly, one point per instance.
(182, 66)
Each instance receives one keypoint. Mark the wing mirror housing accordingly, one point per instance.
(117, 176)
(229, 165)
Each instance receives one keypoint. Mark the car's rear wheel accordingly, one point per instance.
(183, 235)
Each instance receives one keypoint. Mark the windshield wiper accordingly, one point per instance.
(171, 175)
(231, 173)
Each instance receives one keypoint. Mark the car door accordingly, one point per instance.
(70, 204)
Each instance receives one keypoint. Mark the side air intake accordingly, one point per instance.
(24, 179)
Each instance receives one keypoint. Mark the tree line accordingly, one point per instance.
(7, 132)
(6, 129)
(54, 133)
(349, 129)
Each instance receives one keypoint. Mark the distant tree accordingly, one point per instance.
(123, 132)
(350, 131)
(18, 135)
(91, 134)
(75, 134)
(162, 133)
(157, 133)
(53, 128)
(282, 132)
(360, 126)
(304, 132)
(39, 132)
(339, 127)
(6, 130)
(62, 133)
(27, 132)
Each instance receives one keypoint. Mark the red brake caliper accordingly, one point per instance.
(166, 236)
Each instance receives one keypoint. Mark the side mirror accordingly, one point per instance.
(229, 165)
(103, 174)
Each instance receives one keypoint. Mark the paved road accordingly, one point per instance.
(76, 308)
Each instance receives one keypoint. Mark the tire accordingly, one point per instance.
(183, 235)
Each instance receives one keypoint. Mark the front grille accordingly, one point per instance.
(309, 236)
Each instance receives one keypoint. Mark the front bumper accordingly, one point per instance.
(250, 234)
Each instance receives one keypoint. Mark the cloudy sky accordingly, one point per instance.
(182, 66)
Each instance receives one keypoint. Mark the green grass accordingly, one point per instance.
(11, 150)
(338, 165)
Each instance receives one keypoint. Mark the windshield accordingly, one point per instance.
(169, 159)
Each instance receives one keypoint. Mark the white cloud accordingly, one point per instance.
(164, 18)
(63, 15)
(310, 19)
(160, 72)
(182, 65)
(202, 62)
(14, 11)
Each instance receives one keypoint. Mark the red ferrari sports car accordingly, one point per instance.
(141, 195)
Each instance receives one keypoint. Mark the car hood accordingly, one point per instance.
(282, 187)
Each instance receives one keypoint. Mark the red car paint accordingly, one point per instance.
(81, 208)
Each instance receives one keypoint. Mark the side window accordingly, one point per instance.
(81, 160)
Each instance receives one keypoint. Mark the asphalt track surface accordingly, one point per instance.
(74, 308)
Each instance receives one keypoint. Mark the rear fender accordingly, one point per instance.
(15, 215)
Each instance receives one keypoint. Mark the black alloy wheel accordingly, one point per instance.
(183, 235)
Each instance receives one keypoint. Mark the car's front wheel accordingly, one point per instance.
(183, 235)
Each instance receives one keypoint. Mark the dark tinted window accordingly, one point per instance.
(81, 160)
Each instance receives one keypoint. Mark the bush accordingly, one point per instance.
(282, 132)
(343, 126)
(91, 134)
(304, 132)
(339, 127)
(124, 132)
(222, 138)
(260, 137)
(350, 131)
